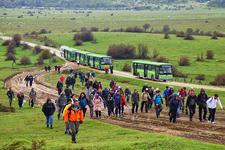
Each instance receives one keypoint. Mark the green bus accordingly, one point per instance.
(68, 53)
(98, 61)
(81, 56)
(152, 70)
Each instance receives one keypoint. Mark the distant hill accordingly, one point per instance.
(113, 4)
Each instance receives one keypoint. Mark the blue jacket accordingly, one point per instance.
(174, 104)
(166, 93)
(117, 99)
(83, 102)
(157, 99)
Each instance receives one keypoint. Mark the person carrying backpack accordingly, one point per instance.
(10, 95)
(127, 94)
(158, 101)
(135, 101)
(66, 107)
(83, 102)
(105, 96)
(68, 92)
(27, 79)
(59, 87)
(117, 103)
(20, 97)
(123, 102)
(31, 79)
(144, 100)
(202, 105)
(68, 81)
(48, 109)
(183, 94)
(191, 104)
(33, 97)
(110, 103)
(211, 103)
(173, 106)
(61, 102)
(74, 116)
(98, 105)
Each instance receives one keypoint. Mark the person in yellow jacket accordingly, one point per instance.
(74, 116)
(67, 106)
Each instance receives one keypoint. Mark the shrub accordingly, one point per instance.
(6, 42)
(219, 80)
(155, 54)
(25, 46)
(43, 31)
(146, 26)
(10, 56)
(17, 39)
(126, 68)
(11, 47)
(78, 42)
(188, 37)
(161, 59)
(40, 61)
(184, 61)
(180, 34)
(134, 29)
(25, 60)
(94, 29)
(214, 36)
(209, 54)
(142, 51)
(37, 50)
(122, 51)
(177, 73)
(200, 77)
(166, 36)
(83, 29)
(45, 54)
(105, 30)
(84, 36)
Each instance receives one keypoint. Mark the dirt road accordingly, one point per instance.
(142, 121)
(129, 75)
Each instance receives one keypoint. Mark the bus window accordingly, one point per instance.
(106, 61)
(165, 70)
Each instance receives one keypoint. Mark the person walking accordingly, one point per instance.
(48, 109)
(110, 103)
(111, 69)
(202, 105)
(74, 117)
(123, 102)
(73, 82)
(98, 105)
(83, 102)
(127, 94)
(212, 103)
(166, 94)
(105, 96)
(68, 92)
(117, 103)
(144, 100)
(135, 101)
(59, 87)
(49, 68)
(67, 106)
(27, 79)
(61, 102)
(191, 104)
(33, 97)
(158, 101)
(20, 97)
(10, 95)
(68, 81)
(183, 94)
(173, 106)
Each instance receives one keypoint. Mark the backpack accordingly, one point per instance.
(158, 99)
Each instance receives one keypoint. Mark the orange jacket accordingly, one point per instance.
(73, 115)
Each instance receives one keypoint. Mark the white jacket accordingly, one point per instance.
(212, 102)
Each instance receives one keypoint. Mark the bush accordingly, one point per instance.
(155, 54)
(17, 39)
(134, 29)
(83, 29)
(105, 30)
(25, 46)
(126, 68)
(94, 29)
(214, 36)
(37, 50)
(161, 59)
(11, 47)
(78, 42)
(142, 51)
(200, 77)
(188, 37)
(25, 60)
(177, 73)
(10, 56)
(180, 34)
(43, 31)
(209, 54)
(122, 51)
(40, 61)
(6, 43)
(45, 54)
(219, 80)
(184, 61)
(166, 36)
(84, 36)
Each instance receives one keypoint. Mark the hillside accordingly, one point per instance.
(113, 4)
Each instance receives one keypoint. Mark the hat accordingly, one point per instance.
(146, 89)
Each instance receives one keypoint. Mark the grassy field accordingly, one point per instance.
(65, 21)
(172, 49)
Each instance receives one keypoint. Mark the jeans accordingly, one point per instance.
(212, 112)
(117, 109)
(49, 120)
(191, 112)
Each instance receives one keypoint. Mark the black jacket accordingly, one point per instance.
(48, 109)
(191, 101)
(202, 98)
(59, 85)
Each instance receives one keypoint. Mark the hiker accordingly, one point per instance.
(183, 94)
(170, 96)
(90, 104)
(95, 85)
(173, 106)
(166, 94)
(105, 96)
(117, 103)
(98, 105)
(78, 63)
(32, 96)
(61, 102)
(150, 99)
(67, 106)
(202, 105)
(127, 94)
(211, 103)
(20, 97)
(68, 81)
(27, 79)
(99, 87)
(74, 117)
(59, 87)
(123, 102)
(73, 82)
(111, 69)
(62, 78)
(48, 109)
(68, 92)
(145, 86)
(46, 69)
(82, 77)
(158, 101)
(56, 68)
(106, 68)
(49, 68)
(144, 100)
(191, 104)
(59, 69)
(93, 75)
(110, 103)
(31, 79)
(88, 88)
(83, 102)
(135, 101)
(10, 95)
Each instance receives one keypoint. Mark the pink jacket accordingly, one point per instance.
(98, 104)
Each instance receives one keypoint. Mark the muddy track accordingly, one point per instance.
(144, 122)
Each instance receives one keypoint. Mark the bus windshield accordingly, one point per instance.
(165, 70)
(106, 61)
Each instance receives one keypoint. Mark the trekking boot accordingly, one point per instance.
(47, 125)
(51, 127)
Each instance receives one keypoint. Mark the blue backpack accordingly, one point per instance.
(157, 99)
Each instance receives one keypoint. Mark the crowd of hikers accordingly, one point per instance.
(116, 101)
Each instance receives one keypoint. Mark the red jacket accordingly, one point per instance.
(123, 100)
